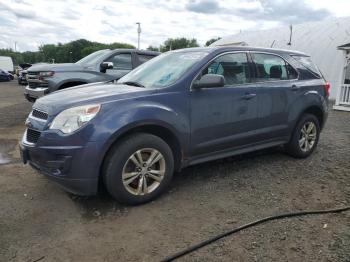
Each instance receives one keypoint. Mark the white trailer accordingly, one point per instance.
(327, 41)
(6, 63)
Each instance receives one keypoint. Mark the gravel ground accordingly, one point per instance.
(40, 221)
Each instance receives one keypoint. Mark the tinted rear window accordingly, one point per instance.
(308, 64)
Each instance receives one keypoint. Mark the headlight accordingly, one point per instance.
(74, 118)
(46, 74)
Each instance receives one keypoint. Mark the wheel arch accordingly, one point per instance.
(316, 111)
(71, 84)
(156, 129)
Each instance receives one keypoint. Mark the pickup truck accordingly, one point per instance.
(100, 66)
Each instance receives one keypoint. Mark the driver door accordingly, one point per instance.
(225, 117)
(122, 64)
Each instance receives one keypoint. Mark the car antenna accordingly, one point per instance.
(291, 34)
(272, 43)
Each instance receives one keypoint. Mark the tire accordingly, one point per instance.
(296, 147)
(119, 168)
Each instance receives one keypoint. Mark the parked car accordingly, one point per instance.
(6, 64)
(102, 65)
(22, 73)
(5, 76)
(179, 109)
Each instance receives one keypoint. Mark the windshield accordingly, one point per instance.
(163, 70)
(92, 58)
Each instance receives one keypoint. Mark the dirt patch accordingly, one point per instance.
(6, 147)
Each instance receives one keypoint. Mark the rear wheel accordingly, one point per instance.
(305, 137)
(138, 169)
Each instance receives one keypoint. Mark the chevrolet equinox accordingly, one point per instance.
(181, 108)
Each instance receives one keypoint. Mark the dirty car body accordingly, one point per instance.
(264, 95)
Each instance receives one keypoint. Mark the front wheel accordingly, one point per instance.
(305, 137)
(138, 169)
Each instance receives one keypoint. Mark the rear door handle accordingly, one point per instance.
(295, 87)
(248, 96)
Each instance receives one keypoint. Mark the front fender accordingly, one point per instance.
(169, 111)
(62, 78)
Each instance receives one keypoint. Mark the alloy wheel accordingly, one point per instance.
(144, 171)
(308, 136)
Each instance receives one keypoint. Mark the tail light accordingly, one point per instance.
(326, 87)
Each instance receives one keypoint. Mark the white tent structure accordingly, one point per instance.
(327, 42)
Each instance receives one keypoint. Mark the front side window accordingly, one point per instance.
(233, 67)
(121, 61)
(270, 67)
(164, 69)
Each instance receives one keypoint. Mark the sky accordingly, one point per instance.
(31, 23)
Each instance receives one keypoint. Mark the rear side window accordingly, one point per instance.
(271, 68)
(144, 58)
(308, 64)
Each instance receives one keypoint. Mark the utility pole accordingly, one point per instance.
(138, 34)
(15, 46)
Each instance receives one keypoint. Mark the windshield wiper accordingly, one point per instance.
(132, 83)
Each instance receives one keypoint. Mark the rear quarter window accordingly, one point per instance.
(306, 62)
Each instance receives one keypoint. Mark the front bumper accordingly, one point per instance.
(35, 92)
(75, 168)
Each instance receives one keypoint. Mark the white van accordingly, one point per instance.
(6, 64)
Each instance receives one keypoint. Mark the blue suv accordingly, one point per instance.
(181, 108)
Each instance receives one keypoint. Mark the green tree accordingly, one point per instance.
(178, 43)
(61, 53)
(209, 42)
(153, 48)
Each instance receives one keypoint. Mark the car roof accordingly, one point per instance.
(241, 48)
(144, 52)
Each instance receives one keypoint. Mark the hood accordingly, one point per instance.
(55, 67)
(88, 94)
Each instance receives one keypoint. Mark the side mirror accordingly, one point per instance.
(106, 65)
(210, 81)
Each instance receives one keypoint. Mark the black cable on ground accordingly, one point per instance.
(260, 221)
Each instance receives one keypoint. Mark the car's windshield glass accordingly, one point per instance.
(92, 58)
(163, 70)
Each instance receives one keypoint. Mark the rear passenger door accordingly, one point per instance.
(224, 117)
(276, 81)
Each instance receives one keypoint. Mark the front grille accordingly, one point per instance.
(36, 84)
(32, 135)
(34, 81)
(39, 114)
